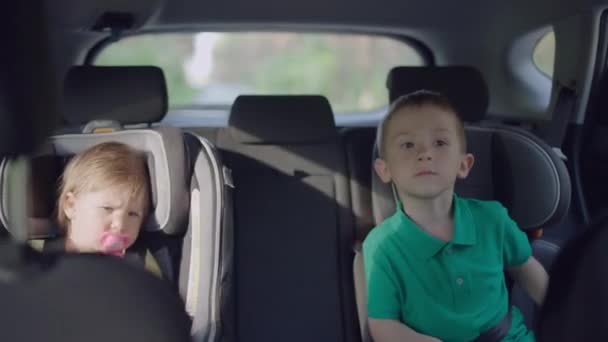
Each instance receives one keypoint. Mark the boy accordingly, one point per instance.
(435, 268)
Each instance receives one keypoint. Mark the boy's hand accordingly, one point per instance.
(388, 330)
(531, 275)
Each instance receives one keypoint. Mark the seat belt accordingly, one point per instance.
(151, 264)
(57, 246)
(498, 332)
(554, 131)
(155, 259)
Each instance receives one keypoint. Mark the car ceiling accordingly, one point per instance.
(475, 32)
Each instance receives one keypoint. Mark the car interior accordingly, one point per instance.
(259, 123)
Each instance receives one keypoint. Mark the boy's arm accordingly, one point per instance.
(383, 301)
(519, 262)
(388, 330)
(531, 275)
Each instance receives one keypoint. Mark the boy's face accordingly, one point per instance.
(105, 221)
(423, 152)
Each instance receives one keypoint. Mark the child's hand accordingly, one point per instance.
(385, 330)
(531, 276)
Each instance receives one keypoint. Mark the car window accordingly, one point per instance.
(212, 69)
(544, 54)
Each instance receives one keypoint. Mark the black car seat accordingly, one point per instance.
(80, 297)
(293, 225)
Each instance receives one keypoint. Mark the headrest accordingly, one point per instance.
(279, 119)
(167, 166)
(511, 166)
(463, 86)
(130, 95)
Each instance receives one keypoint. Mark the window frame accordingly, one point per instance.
(426, 54)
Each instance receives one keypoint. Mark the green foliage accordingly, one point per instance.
(544, 54)
(349, 69)
(167, 51)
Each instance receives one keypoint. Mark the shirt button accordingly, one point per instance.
(459, 281)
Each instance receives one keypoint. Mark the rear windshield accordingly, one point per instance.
(211, 69)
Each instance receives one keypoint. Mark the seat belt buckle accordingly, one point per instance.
(560, 153)
(227, 173)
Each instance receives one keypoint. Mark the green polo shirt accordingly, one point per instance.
(450, 290)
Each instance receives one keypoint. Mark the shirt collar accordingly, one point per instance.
(465, 230)
(426, 245)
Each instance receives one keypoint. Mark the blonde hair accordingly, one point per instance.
(419, 98)
(104, 165)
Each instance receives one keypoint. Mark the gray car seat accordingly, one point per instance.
(77, 297)
(188, 230)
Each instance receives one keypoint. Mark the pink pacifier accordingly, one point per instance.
(114, 244)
